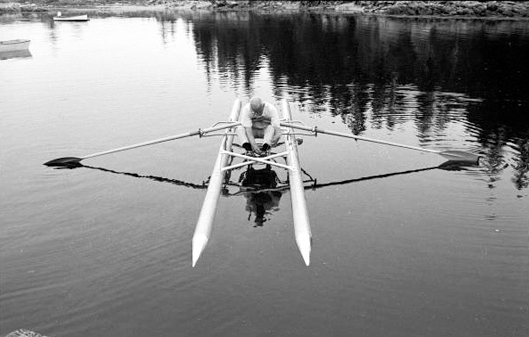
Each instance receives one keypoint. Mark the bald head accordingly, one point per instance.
(257, 105)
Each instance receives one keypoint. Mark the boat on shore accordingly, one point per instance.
(79, 18)
(14, 45)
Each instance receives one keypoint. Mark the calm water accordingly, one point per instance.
(402, 247)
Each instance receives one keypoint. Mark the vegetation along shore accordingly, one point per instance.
(478, 9)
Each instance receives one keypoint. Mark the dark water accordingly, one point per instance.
(402, 245)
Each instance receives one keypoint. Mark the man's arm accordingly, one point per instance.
(247, 124)
(275, 123)
(277, 134)
(251, 140)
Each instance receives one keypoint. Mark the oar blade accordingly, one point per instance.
(460, 156)
(69, 162)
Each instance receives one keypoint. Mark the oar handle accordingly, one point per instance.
(165, 139)
(317, 130)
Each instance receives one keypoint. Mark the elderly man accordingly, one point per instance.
(259, 120)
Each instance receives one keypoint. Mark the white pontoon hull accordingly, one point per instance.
(71, 18)
(14, 45)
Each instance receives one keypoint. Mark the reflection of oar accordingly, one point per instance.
(460, 156)
(74, 161)
(446, 166)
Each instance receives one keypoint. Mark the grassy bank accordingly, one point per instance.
(506, 9)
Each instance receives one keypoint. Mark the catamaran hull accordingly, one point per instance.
(209, 207)
(300, 215)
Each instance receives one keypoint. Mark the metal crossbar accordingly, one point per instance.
(252, 160)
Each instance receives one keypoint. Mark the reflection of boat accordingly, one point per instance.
(14, 54)
(59, 17)
(13, 45)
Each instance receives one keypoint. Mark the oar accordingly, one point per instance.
(74, 161)
(453, 155)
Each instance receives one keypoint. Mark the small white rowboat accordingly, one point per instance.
(13, 45)
(71, 18)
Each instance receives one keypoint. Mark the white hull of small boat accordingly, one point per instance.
(14, 45)
(6, 55)
(71, 18)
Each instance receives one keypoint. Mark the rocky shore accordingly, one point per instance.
(474, 9)
(449, 8)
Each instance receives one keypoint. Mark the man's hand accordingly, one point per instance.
(256, 148)
(251, 139)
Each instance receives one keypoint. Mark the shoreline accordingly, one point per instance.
(408, 9)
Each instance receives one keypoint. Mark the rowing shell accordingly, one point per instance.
(299, 208)
(205, 220)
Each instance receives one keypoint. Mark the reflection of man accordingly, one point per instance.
(260, 203)
(259, 120)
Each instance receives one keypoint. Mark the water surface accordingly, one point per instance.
(402, 245)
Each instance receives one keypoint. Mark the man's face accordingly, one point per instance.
(258, 111)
